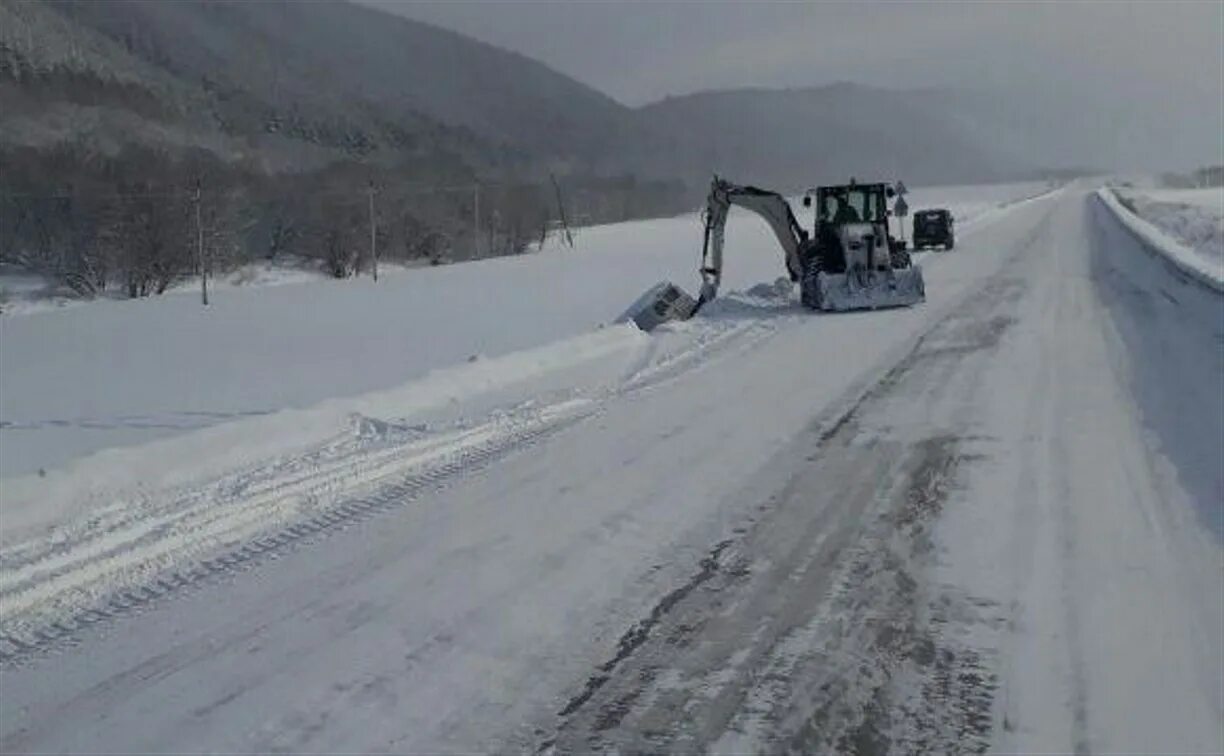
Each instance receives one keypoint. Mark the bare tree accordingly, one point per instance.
(149, 238)
(56, 237)
(335, 232)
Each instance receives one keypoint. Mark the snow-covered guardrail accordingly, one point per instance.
(1181, 257)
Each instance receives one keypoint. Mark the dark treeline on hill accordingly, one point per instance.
(285, 112)
(127, 222)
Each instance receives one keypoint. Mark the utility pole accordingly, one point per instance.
(476, 222)
(569, 238)
(373, 235)
(200, 248)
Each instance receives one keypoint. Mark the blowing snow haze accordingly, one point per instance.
(1117, 85)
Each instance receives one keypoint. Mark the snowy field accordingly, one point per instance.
(26, 294)
(112, 373)
(988, 522)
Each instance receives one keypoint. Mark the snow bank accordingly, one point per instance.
(1189, 236)
(34, 503)
(1195, 217)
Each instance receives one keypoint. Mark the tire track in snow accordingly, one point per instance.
(1066, 306)
(640, 699)
(19, 646)
(35, 631)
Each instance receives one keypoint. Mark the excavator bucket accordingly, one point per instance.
(661, 303)
(840, 292)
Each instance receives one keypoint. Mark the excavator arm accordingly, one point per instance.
(771, 206)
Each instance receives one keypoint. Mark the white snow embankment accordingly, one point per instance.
(73, 535)
(303, 454)
(1176, 237)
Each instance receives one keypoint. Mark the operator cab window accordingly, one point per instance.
(848, 206)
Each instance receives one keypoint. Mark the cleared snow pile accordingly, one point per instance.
(780, 289)
(75, 533)
(1186, 226)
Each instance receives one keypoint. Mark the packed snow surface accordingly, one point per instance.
(987, 522)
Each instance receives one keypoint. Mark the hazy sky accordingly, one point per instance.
(1143, 63)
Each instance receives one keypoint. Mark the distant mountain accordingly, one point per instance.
(793, 138)
(293, 86)
(258, 76)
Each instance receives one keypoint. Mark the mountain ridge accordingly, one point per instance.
(295, 86)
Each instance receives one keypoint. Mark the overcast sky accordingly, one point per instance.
(1143, 62)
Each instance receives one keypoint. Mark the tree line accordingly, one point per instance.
(136, 222)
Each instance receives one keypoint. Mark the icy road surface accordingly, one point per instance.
(992, 521)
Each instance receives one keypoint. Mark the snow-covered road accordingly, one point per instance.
(989, 521)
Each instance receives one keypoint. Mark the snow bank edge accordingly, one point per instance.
(1174, 252)
(36, 503)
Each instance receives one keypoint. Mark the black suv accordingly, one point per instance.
(933, 227)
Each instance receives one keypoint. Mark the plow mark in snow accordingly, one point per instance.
(52, 592)
(26, 641)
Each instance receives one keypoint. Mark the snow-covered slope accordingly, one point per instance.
(117, 373)
(1185, 225)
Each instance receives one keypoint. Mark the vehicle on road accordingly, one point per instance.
(934, 228)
